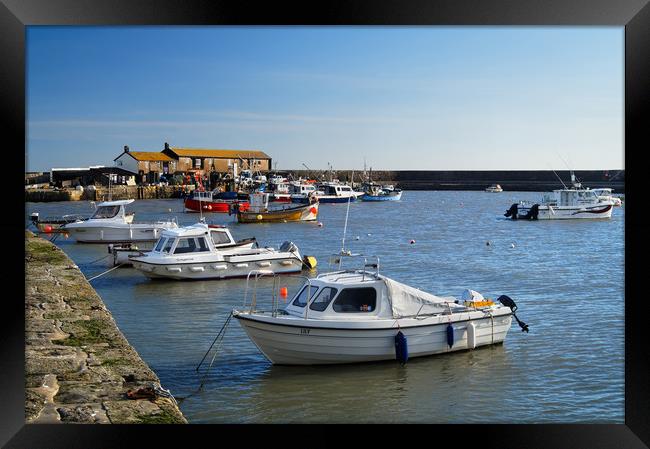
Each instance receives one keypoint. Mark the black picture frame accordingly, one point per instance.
(634, 15)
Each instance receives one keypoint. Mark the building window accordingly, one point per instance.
(197, 163)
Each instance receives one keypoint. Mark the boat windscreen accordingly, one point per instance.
(106, 212)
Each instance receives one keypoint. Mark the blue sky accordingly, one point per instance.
(438, 98)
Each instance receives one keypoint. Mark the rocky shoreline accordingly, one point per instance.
(78, 365)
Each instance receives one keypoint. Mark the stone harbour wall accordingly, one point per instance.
(78, 365)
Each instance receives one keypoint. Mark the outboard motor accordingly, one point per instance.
(288, 247)
(532, 213)
(34, 217)
(508, 302)
(512, 212)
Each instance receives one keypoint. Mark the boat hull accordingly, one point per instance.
(303, 343)
(216, 269)
(389, 197)
(325, 199)
(114, 234)
(301, 213)
(213, 206)
(567, 213)
(122, 254)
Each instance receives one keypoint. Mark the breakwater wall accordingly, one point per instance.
(78, 365)
(513, 180)
(100, 193)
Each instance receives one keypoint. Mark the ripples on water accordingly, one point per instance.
(566, 277)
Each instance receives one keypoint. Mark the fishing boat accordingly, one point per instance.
(220, 235)
(494, 188)
(331, 192)
(259, 211)
(112, 224)
(359, 315)
(214, 201)
(190, 253)
(300, 191)
(376, 192)
(53, 225)
(564, 204)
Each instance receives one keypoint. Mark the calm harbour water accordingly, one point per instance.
(567, 277)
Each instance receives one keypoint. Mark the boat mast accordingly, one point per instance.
(345, 228)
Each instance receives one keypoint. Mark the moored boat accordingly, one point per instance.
(190, 253)
(352, 316)
(376, 192)
(564, 204)
(220, 235)
(259, 211)
(494, 188)
(112, 224)
(212, 201)
(53, 225)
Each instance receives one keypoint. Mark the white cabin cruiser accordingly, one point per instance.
(355, 316)
(605, 193)
(192, 252)
(563, 204)
(112, 224)
(220, 235)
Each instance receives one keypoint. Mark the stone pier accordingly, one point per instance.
(78, 365)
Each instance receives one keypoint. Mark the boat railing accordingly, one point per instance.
(275, 302)
(338, 259)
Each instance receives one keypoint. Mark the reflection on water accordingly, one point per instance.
(566, 277)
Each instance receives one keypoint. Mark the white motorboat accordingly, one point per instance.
(192, 252)
(605, 193)
(563, 204)
(352, 316)
(221, 238)
(494, 188)
(112, 224)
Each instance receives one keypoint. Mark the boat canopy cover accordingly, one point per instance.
(408, 301)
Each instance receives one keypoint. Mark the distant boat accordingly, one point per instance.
(259, 211)
(215, 201)
(494, 188)
(381, 193)
(563, 204)
(331, 192)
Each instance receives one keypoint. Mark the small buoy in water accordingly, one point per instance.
(369, 235)
(169, 210)
(512, 245)
(320, 225)
(259, 217)
(66, 235)
(357, 237)
(487, 243)
(412, 242)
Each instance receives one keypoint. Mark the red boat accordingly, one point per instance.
(216, 201)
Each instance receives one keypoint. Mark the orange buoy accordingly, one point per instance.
(313, 210)
(48, 228)
(284, 292)
(209, 206)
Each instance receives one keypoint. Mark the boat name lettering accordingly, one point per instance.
(304, 331)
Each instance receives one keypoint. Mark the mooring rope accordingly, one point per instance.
(105, 272)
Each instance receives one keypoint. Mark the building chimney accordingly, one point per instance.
(166, 146)
(126, 148)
